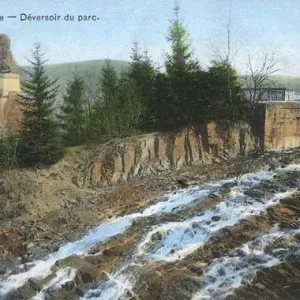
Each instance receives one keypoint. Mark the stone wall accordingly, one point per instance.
(10, 114)
(157, 152)
(9, 82)
(281, 126)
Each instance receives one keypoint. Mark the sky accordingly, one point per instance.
(257, 27)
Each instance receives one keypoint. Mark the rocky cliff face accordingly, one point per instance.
(155, 153)
(8, 63)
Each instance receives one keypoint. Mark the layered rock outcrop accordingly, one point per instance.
(159, 152)
(8, 63)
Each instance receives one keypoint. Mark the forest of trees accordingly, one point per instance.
(141, 98)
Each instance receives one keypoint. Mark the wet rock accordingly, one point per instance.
(260, 286)
(30, 245)
(216, 195)
(292, 200)
(197, 270)
(34, 285)
(157, 236)
(215, 218)
(78, 278)
(172, 251)
(70, 285)
(229, 185)
(86, 277)
(79, 292)
(255, 193)
(3, 270)
(196, 225)
(182, 183)
(238, 252)
(289, 225)
(129, 294)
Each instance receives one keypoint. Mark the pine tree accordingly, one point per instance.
(225, 93)
(180, 61)
(143, 74)
(41, 144)
(72, 111)
(108, 83)
(176, 93)
(119, 111)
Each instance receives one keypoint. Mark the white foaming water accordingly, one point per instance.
(113, 288)
(181, 238)
(61, 277)
(109, 290)
(41, 268)
(228, 273)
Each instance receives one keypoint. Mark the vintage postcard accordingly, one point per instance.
(149, 149)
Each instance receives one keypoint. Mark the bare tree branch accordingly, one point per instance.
(259, 77)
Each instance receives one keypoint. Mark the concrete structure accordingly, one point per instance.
(278, 126)
(9, 82)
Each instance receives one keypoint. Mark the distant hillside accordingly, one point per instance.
(90, 69)
(288, 82)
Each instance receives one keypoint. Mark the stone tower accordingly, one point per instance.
(9, 69)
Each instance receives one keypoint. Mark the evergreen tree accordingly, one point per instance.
(41, 144)
(72, 111)
(227, 99)
(142, 73)
(180, 61)
(108, 83)
(176, 95)
(120, 109)
(103, 122)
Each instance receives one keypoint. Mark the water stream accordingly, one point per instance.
(226, 274)
(175, 239)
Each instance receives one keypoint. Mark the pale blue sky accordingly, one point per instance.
(257, 25)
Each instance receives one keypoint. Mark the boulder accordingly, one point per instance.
(157, 236)
(215, 218)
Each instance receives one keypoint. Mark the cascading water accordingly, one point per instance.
(226, 274)
(177, 238)
(38, 269)
(180, 238)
